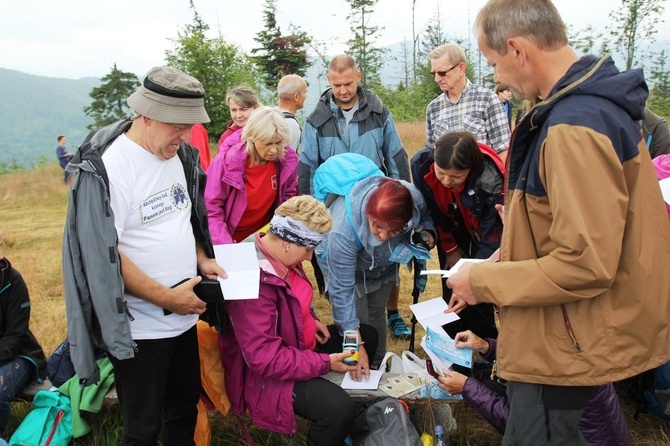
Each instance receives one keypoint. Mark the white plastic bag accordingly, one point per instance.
(395, 365)
(411, 363)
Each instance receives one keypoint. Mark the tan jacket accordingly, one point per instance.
(583, 284)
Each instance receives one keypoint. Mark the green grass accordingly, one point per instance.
(32, 209)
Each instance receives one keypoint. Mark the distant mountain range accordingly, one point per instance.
(34, 110)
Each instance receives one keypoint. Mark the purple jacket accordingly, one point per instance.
(602, 424)
(264, 354)
(225, 196)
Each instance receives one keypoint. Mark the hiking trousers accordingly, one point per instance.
(159, 389)
(541, 414)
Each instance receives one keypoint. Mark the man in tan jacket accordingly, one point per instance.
(581, 288)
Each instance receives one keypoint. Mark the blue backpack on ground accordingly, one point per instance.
(338, 174)
(48, 424)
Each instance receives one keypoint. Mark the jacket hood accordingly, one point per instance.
(359, 196)
(5, 265)
(599, 78)
(367, 103)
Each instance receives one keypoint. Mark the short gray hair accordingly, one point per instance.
(342, 63)
(453, 52)
(537, 20)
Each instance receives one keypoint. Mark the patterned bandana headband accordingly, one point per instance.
(294, 231)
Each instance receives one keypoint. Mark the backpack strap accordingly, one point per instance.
(289, 115)
(350, 217)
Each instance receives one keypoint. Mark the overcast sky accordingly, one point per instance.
(79, 38)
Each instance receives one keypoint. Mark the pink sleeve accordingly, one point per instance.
(216, 194)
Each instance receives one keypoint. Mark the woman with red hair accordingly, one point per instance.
(356, 255)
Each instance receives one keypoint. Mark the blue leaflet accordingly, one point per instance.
(404, 252)
(443, 346)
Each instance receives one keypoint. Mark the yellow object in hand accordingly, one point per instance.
(427, 439)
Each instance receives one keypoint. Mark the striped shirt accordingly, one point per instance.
(478, 111)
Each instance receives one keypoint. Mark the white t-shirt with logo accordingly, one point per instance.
(152, 214)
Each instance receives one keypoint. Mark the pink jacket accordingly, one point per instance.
(264, 354)
(231, 140)
(225, 196)
(662, 167)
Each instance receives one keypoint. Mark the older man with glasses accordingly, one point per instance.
(463, 106)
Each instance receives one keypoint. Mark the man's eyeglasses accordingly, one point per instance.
(443, 73)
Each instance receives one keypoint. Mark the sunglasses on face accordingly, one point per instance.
(443, 73)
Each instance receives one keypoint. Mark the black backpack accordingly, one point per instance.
(59, 365)
(384, 421)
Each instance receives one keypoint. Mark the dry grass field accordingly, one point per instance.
(32, 212)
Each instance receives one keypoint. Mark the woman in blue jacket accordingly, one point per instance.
(356, 255)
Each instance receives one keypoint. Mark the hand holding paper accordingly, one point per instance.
(431, 313)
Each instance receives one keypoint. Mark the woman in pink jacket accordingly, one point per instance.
(276, 350)
(249, 181)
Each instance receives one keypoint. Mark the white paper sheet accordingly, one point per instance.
(447, 273)
(665, 189)
(430, 313)
(425, 272)
(241, 264)
(371, 383)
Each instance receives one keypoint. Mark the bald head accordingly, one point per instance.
(292, 91)
(290, 85)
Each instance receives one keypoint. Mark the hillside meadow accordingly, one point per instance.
(33, 205)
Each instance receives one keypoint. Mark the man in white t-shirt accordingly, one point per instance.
(292, 92)
(159, 388)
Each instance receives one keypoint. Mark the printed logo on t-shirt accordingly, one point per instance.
(163, 203)
(179, 196)
(274, 182)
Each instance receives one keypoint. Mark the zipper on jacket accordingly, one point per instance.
(568, 328)
(57, 420)
(127, 311)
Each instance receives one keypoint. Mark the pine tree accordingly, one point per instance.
(368, 57)
(109, 99)
(659, 96)
(279, 55)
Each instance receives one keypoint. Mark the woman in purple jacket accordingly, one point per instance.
(603, 423)
(276, 349)
(246, 183)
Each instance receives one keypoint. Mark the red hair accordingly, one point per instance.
(391, 203)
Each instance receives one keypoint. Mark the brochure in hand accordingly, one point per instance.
(441, 345)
